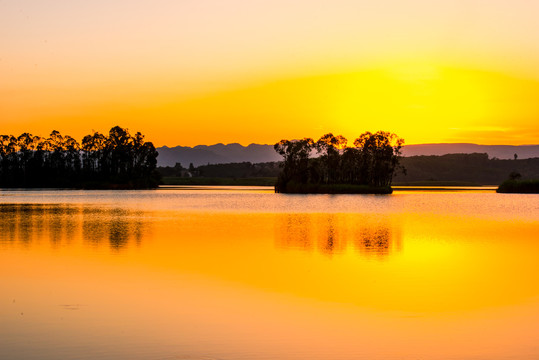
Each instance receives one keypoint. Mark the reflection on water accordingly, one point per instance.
(252, 276)
(61, 224)
(117, 226)
(334, 233)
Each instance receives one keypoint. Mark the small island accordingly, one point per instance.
(366, 168)
(516, 185)
(116, 161)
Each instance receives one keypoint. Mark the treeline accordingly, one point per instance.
(457, 169)
(244, 173)
(371, 162)
(118, 160)
(230, 170)
(474, 168)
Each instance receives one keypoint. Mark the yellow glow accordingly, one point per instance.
(251, 279)
(424, 103)
(188, 72)
(325, 257)
(420, 101)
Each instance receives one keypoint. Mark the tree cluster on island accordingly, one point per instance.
(366, 167)
(515, 184)
(118, 160)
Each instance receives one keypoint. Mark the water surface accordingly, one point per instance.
(243, 273)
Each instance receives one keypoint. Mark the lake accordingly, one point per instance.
(244, 273)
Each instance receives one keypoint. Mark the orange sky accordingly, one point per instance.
(202, 72)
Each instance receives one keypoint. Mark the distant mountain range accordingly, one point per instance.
(257, 153)
(216, 154)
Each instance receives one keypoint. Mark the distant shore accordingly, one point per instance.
(270, 181)
(225, 181)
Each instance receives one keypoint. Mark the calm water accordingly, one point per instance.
(243, 273)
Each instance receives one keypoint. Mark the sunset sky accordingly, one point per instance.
(206, 71)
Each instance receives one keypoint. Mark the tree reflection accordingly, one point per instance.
(376, 240)
(66, 224)
(332, 234)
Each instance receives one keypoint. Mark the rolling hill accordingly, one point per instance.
(258, 153)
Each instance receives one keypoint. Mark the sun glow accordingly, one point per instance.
(191, 72)
(429, 100)
(421, 102)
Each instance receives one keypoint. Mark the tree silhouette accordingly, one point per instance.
(296, 160)
(372, 161)
(329, 146)
(380, 154)
(118, 160)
